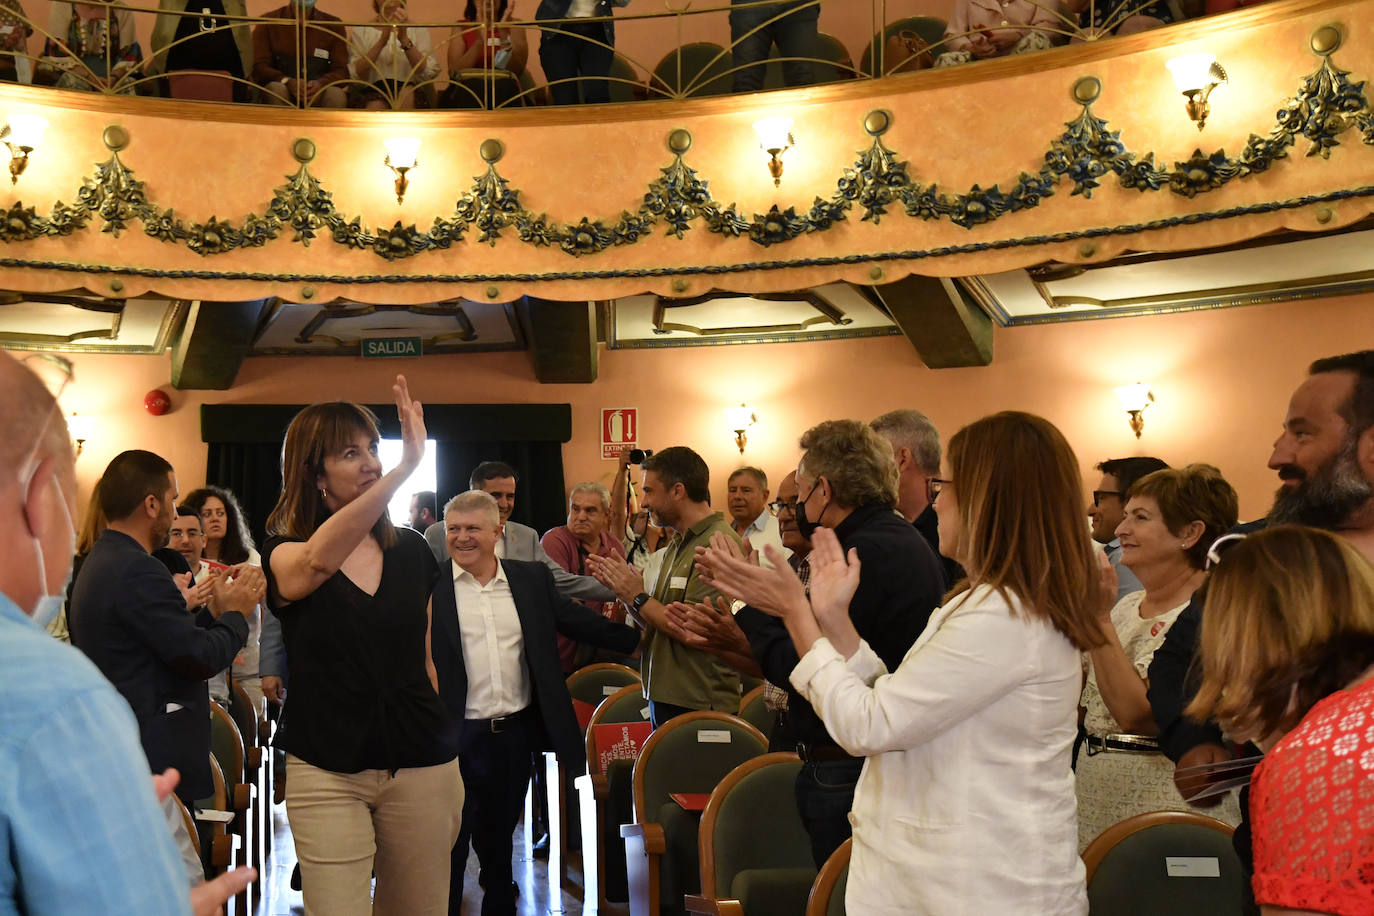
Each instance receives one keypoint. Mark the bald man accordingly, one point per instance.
(82, 828)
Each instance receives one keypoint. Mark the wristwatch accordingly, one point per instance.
(638, 602)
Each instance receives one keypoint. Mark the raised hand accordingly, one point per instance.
(617, 575)
(412, 416)
(834, 577)
(776, 591)
(240, 593)
(195, 594)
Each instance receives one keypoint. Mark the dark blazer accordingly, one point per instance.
(127, 614)
(543, 614)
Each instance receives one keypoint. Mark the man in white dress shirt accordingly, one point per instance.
(496, 656)
(747, 499)
(517, 541)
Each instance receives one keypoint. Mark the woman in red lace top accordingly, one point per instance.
(1287, 651)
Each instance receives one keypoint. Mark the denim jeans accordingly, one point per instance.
(577, 58)
(825, 794)
(794, 33)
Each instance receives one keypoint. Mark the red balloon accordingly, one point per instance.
(156, 402)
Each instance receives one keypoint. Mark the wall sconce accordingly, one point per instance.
(1196, 75)
(775, 138)
(740, 419)
(21, 134)
(401, 155)
(79, 428)
(1135, 398)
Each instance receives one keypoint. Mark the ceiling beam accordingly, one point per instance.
(945, 326)
(213, 343)
(562, 339)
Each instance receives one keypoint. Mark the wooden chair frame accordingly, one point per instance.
(1108, 839)
(818, 904)
(243, 801)
(585, 671)
(709, 901)
(594, 794)
(748, 698)
(645, 841)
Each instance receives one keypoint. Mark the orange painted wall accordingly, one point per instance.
(1221, 379)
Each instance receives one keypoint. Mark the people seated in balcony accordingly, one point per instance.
(980, 29)
(207, 42)
(14, 34)
(391, 57)
(755, 29)
(91, 47)
(1103, 18)
(481, 42)
(577, 51)
(309, 80)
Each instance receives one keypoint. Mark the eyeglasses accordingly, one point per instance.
(1219, 547)
(933, 487)
(778, 506)
(1098, 494)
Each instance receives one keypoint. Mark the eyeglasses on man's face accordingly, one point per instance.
(933, 487)
(779, 506)
(1099, 495)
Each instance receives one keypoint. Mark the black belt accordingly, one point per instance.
(501, 723)
(1130, 744)
(823, 753)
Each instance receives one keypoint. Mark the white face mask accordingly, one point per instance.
(48, 606)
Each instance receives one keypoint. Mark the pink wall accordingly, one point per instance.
(1221, 379)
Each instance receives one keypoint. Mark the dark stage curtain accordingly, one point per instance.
(245, 440)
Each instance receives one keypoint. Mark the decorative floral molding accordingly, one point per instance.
(878, 183)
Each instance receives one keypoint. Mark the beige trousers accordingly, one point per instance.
(348, 825)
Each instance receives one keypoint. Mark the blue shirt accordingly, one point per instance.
(1126, 581)
(81, 831)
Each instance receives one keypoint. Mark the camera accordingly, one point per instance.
(637, 455)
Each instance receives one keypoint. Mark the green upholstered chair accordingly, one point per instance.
(833, 63)
(754, 850)
(690, 754)
(696, 68)
(218, 847)
(607, 799)
(1129, 874)
(753, 711)
(827, 894)
(929, 28)
(593, 683)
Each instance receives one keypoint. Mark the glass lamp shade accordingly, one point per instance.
(26, 129)
(1134, 397)
(402, 151)
(1192, 72)
(774, 133)
(739, 418)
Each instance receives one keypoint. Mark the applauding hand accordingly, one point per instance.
(834, 577)
(776, 591)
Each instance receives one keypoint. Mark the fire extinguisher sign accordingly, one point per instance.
(619, 429)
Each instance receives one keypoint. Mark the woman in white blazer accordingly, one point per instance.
(966, 802)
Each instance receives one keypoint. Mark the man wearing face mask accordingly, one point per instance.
(129, 617)
(82, 830)
(847, 481)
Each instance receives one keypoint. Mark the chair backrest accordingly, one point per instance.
(696, 68)
(244, 713)
(930, 29)
(593, 683)
(218, 799)
(752, 822)
(189, 822)
(832, 63)
(474, 87)
(624, 83)
(1130, 872)
(691, 754)
(214, 86)
(753, 711)
(226, 744)
(827, 894)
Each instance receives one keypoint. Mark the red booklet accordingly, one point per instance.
(583, 710)
(691, 801)
(619, 741)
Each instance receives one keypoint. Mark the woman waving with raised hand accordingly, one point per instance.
(966, 802)
(373, 782)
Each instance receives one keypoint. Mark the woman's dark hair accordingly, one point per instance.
(470, 11)
(318, 431)
(237, 542)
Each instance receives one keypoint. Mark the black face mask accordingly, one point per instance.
(805, 526)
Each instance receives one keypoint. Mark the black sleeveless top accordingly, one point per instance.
(360, 696)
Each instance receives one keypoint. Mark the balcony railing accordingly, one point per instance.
(301, 56)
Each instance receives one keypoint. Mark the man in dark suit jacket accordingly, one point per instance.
(129, 617)
(493, 643)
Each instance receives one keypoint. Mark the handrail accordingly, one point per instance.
(715, 65)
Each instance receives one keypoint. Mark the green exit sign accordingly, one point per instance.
(388, 347)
